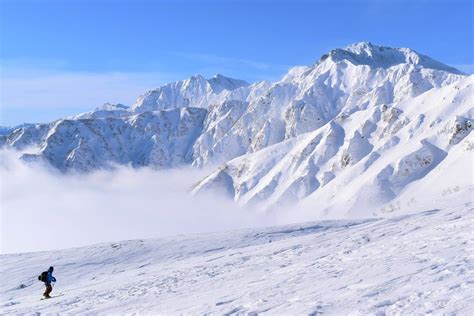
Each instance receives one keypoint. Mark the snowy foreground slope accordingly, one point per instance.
(409, 264)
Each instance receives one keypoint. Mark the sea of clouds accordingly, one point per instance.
(44, 209)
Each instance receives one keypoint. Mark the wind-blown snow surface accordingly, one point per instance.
(410, 264)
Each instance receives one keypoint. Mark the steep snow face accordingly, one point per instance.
(22, 137)
(362, 161)
(160, 139)
(406, 265)
(193, 92)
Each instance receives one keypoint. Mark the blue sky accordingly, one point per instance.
(63, 57)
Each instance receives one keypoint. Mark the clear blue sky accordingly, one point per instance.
(63, 57)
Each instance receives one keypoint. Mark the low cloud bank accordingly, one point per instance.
(42, 209)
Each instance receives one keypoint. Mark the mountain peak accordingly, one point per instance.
(111, 107)
(196, 77)
(359, 46)
(366, 53)
(195, 91)
(220, 82)
(219, 76)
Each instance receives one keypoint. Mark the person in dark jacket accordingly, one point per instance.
(48, 281)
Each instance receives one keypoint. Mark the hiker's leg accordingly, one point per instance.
(49, 288)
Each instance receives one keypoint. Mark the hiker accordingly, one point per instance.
(47, 278)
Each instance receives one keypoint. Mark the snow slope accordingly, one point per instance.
(409, 264)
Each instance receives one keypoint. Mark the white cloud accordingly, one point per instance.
(43, 209)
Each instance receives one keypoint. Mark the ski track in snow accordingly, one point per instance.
(411, 264)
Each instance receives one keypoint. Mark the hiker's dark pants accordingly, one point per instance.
(48, 290)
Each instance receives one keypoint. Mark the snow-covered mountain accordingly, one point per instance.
(193, 92)
(373, 154)
(390, 114)
(159, 138)
(159, 130)
(342, 82)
